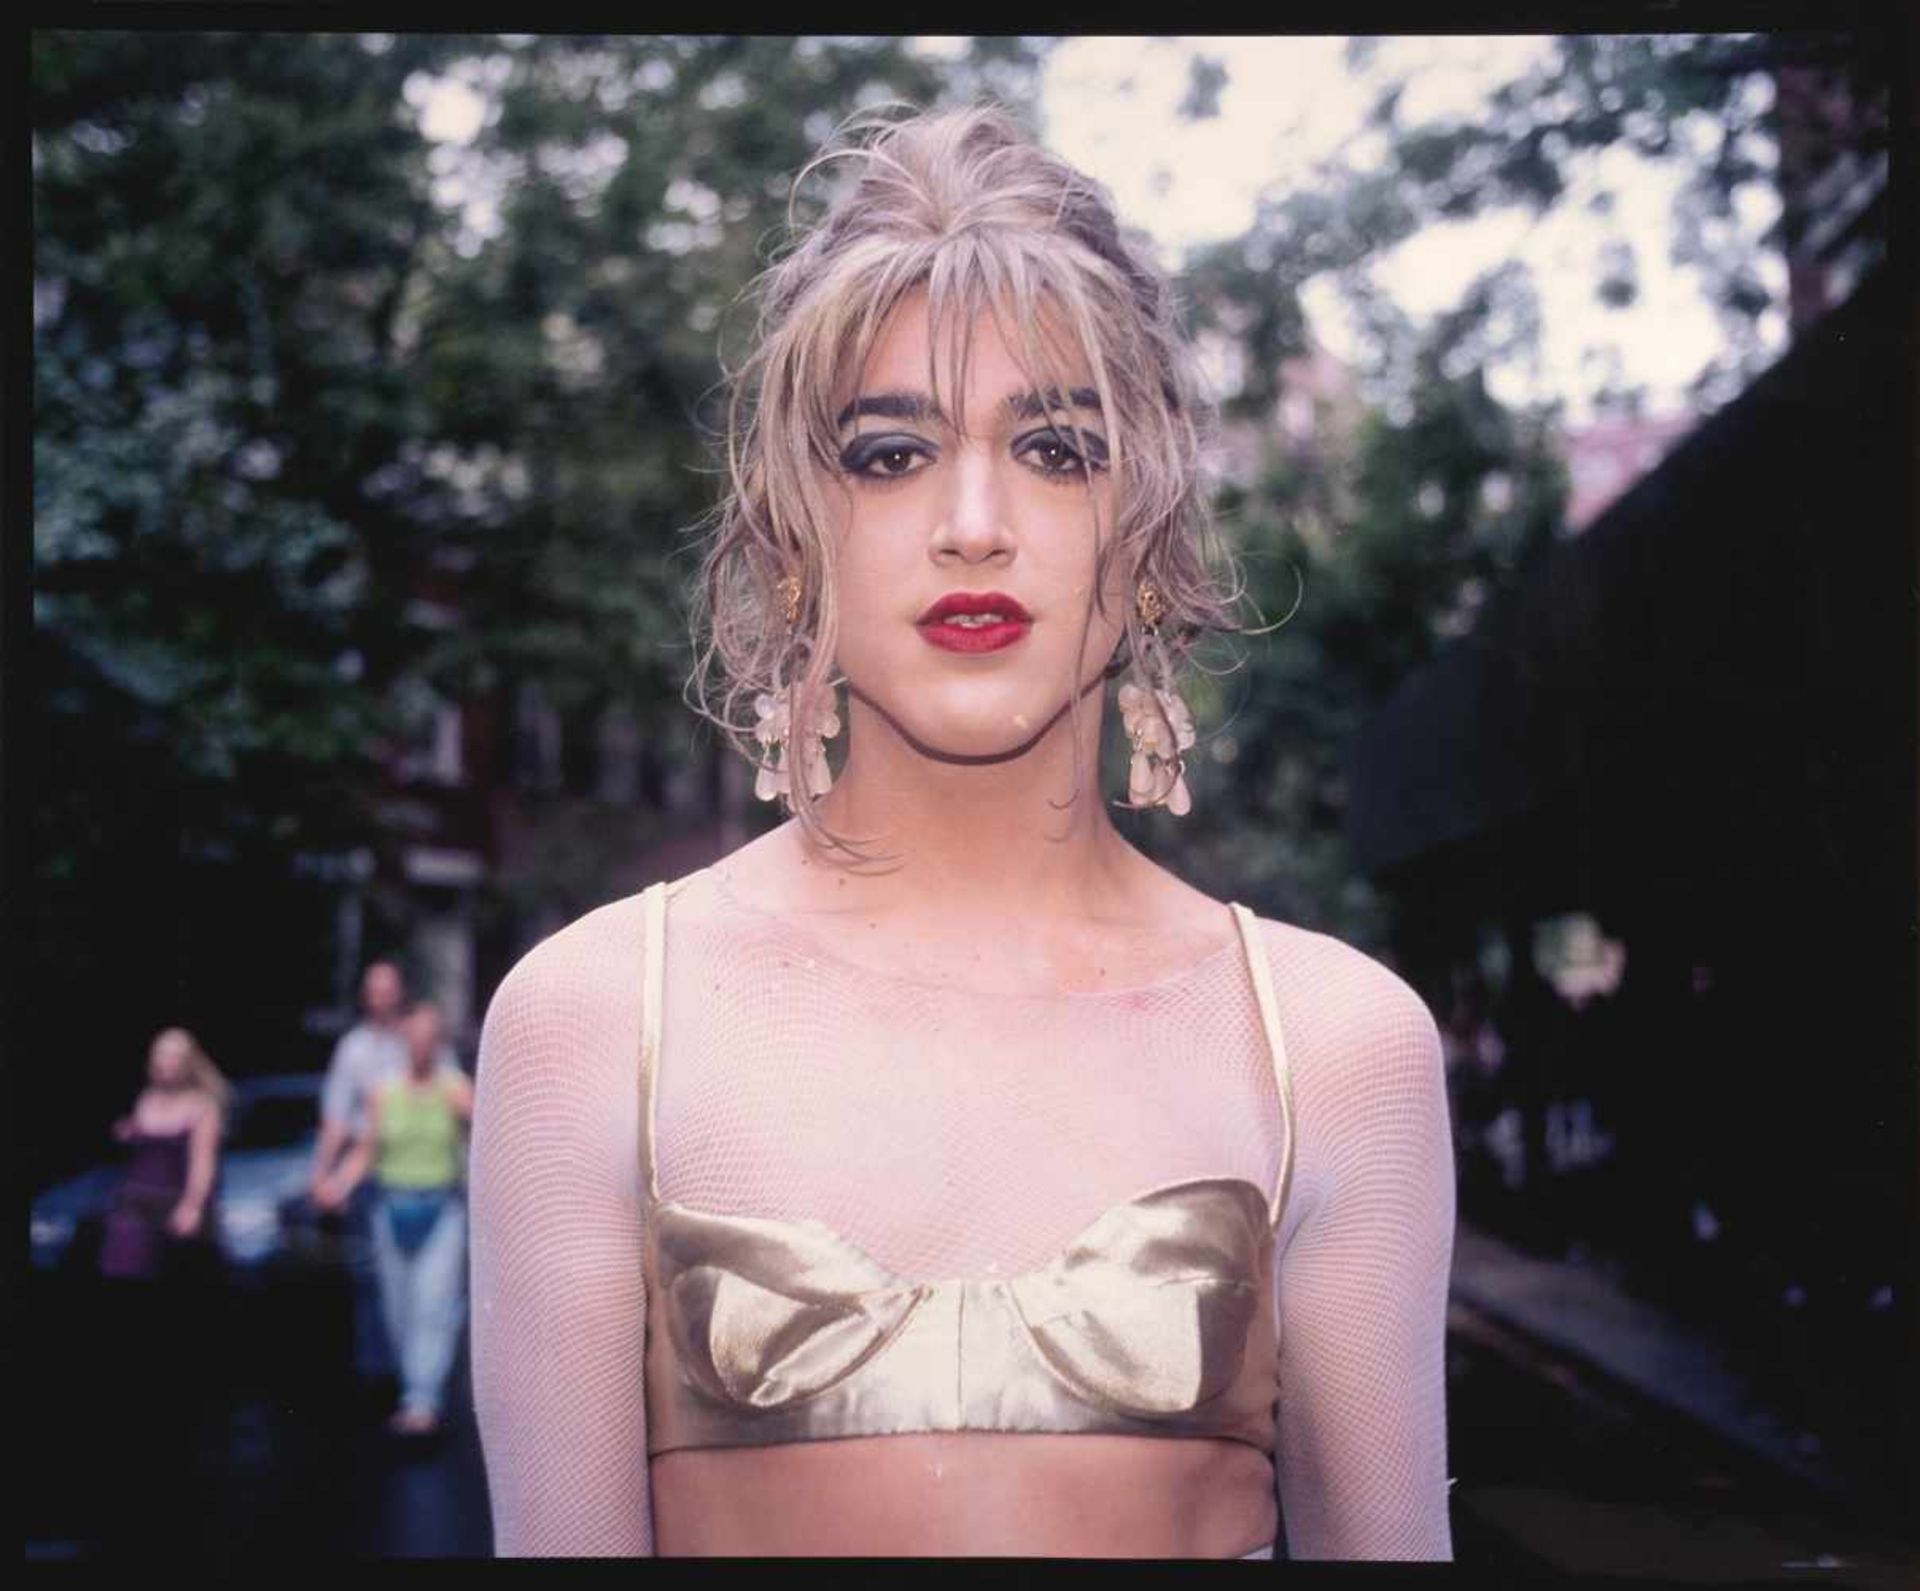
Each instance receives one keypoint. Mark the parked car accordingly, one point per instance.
(260, 1209)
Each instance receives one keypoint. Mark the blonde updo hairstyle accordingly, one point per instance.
(963, 204)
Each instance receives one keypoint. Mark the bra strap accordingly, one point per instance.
(653, 981)
(1262, 976)
(653, 985)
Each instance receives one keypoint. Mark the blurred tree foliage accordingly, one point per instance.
(225, 226)
(1705, 105)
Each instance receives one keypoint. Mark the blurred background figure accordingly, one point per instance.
(173, 1133)
(369, 1053)
(415, 1147)
(156, 1360)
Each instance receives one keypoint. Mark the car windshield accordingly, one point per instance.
(274, 1121)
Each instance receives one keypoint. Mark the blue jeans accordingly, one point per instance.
(420, 1251)
(372, 1358)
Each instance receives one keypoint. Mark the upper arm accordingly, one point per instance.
(1363, 1287)
(336, 1093)
(204, 1146)
(376, 1099)
(558, 1298)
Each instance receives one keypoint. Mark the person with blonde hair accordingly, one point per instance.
(936, 1174)
(155, 1393)
(173, 1137)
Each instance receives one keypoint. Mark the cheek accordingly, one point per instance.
(877, 544)
(867, 599)
(1092, 534)
(855, 537)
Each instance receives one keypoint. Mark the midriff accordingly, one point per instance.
(964, 1494)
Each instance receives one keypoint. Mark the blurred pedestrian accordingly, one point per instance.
(157, 1401)
(369, 1054)
(173, 1134)
(414, 1147)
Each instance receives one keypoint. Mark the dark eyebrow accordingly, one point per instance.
(892, 406)
(1033, 405)
(918, 406)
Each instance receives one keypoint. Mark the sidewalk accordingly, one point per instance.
(1594, 1436)
(1577, 1309)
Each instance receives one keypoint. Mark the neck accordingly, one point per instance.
(984, 838)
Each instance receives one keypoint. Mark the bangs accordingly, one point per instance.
(1039, 304)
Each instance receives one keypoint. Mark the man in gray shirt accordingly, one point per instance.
(368, 1053)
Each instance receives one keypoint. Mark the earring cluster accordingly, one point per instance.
(1155, 717)
(773, 726)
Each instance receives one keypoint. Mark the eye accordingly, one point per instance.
(885, 458)
(1050, 453)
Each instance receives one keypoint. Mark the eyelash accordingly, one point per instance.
(1082, 461)
(863, 452)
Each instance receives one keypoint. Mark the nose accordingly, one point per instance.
(973, 523)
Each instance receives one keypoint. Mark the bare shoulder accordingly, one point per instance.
(1347, 1011)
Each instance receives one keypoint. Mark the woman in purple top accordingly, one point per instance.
(173, 1132)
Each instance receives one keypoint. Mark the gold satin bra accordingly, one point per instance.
(1152, 1321)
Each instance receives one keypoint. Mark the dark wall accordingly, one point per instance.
(1697, 723)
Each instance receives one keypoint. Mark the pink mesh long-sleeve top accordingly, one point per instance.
(948, 1133)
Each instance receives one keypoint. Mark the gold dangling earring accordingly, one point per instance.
(1156, 718)
(774, 729)
(789, 589)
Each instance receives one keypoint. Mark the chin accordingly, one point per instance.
(973, 722)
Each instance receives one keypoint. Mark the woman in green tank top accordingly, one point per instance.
(415, 1147)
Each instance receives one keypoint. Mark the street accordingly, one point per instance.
(261, 1442)
(1560, 1470)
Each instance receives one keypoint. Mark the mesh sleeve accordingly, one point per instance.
(1361, 1456)
(558, 1295)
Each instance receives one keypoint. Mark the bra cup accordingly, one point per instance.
(1148, 1311)
(764, 1314)
(1215, 1223)
(757, 1348)
(1156, 1357)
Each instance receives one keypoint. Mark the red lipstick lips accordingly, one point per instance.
(974, 621)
